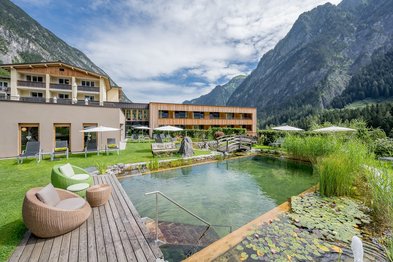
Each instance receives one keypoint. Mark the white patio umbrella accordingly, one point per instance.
(99, 129)
(335, 129)
(287, 128)
(168, 128)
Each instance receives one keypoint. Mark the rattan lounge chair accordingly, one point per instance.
(61, 148)
(61, 180)
(49, 221)
(33, 149)
(111, 146)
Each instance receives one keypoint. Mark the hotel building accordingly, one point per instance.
(52, 101)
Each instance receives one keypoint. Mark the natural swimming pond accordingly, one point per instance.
(228, 193)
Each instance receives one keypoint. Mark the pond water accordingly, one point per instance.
(227, 194)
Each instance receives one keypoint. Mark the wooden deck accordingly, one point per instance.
(113, 232)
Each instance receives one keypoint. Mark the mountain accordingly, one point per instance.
(316, 60)
(22, 39)
(219, 95)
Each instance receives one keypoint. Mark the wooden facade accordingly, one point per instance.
(237, 119)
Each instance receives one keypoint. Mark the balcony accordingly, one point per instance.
(31, 84)
(60, 86)
(89, 89)
(33, 99)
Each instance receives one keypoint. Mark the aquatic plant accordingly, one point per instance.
(153, 164)
(339, 171)
(333, 218)
(311, 147)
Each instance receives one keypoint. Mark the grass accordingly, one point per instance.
(16, 179)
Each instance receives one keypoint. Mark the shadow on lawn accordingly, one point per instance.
(16, 229)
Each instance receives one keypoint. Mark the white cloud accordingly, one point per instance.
(213, 40)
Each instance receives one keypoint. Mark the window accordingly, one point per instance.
(180, 114)
(37, 94)
(64, 81)
(164, 114)
(198, 115)
(90, 98)
(87, 83)
(89, 137)
(61, 69)
(27, 132)
(34, 78)
(64, 96)
(62, 132)
(214, 115)
(3, 84)
(230, 115)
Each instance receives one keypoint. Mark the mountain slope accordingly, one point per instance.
(22, 39)
(316, 60)
(219, 95)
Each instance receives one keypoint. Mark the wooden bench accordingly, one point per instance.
(163, 148)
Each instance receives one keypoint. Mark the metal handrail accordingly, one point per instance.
(178, 205)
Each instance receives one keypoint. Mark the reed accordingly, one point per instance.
(310, 148)
(340, 171)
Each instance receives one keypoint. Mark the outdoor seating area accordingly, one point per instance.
(106, 226)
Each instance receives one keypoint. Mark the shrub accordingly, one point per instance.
(101, 167)
(383, 147)
(153, 164)
(218, 134)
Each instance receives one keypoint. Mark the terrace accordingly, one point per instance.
(258, 186)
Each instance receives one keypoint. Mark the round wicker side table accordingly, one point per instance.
(98, 195)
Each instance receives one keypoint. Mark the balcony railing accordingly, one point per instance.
(60, 86)
(89, 89)
(33, 99)
(31, 84)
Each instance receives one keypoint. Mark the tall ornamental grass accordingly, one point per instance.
(311, 147)
(340, 171)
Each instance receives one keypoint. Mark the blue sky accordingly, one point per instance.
(160, 50)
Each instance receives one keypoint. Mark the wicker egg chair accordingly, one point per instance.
(45, 221)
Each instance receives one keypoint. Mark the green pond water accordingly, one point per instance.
(226, 193)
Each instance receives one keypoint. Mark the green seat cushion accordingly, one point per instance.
(112, 146)
(60, 149)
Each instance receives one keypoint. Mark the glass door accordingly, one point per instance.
(62, 133)
(27, 132)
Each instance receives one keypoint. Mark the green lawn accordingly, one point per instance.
(16, 179)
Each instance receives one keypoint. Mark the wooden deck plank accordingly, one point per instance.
(137, 249)
(108, 241)
(91, 240)
(114, 229)
(145, 246)
(74, 246)
(83, 244)
(35, 254)
(28, 249)
(113, 232)
(100, 244)
(65, 248)
(55, 251)
(128, 249)
(46, 250)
